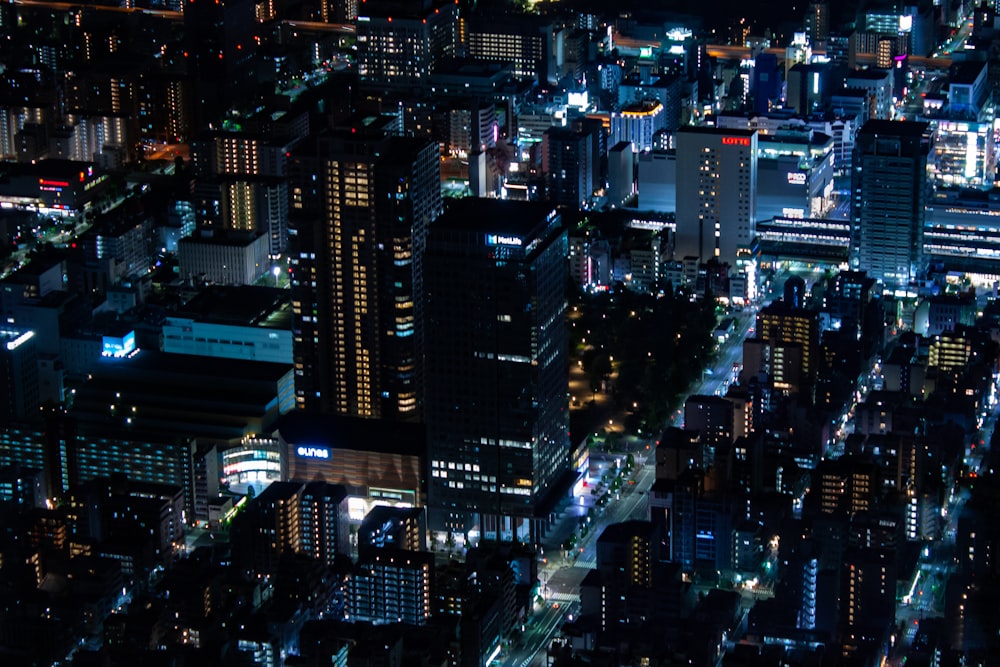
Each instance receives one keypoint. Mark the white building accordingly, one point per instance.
(233, 259)
(716, 193)
(638, 123)
(183, 335)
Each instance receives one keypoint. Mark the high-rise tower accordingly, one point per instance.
(496, 407)
(889, 190)
(401, 42)
(356, 273)
(716, 193)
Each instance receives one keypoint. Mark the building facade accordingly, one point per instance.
(889, 190)
(716, 193)
(356, 279)
(497, 413)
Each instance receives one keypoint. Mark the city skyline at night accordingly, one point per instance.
(505, 334)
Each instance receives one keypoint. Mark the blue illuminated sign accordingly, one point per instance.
(502, 239)
(114, 346)
(313, 452)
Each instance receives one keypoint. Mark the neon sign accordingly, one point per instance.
(796, 178)
(313, 452)
(735, 141)
(501, 239)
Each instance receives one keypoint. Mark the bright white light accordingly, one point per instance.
(20, 340)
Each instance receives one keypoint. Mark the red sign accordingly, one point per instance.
(735, 141)
(55, 184)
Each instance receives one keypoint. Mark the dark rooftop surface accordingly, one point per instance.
(340, 432)
(902, 128)
(518, 218)
(245, 305)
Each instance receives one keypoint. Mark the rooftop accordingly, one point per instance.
(897, 128)
(353, 433)
(241, 305)
(516, 218)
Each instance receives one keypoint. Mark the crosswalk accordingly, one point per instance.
(563, 597)
(589, 563)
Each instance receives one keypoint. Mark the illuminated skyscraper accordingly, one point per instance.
(716, 192)
(356, 273)
(889, 184)
(400, 43)
(496, 406)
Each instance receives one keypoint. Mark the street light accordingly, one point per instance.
(277, 272)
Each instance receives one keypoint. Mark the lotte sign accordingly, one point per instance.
(735, 141)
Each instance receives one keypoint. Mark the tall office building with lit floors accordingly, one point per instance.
(496, 358)
(889, 191)
(355, 270)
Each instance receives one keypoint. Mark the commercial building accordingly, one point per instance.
(19, 391)
(233, 258)
(889, 192)
(637, 123)
(657, 181)
(233, 322)
(716, 193)
(377, 461)
(525, 42)
(964, 154)
(356, 277)
(497, 412)
(51, 187)
(399, 45)
(569, 159)
(254, 462)
(794, 174)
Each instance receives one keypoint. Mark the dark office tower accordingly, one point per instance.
(400, 42)
(795, 292)
(766, 82)
(718, 423)
(568, 160)
(220, 45)
(817, 21)
(848, 299)
(338, 11)
(889, 184)
(496, 408)
(867, 601)
(19, 393)
(357, 278)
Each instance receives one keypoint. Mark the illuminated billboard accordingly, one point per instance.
(118, 346)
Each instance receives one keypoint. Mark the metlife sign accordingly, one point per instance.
(502, 239)
(307, 452)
